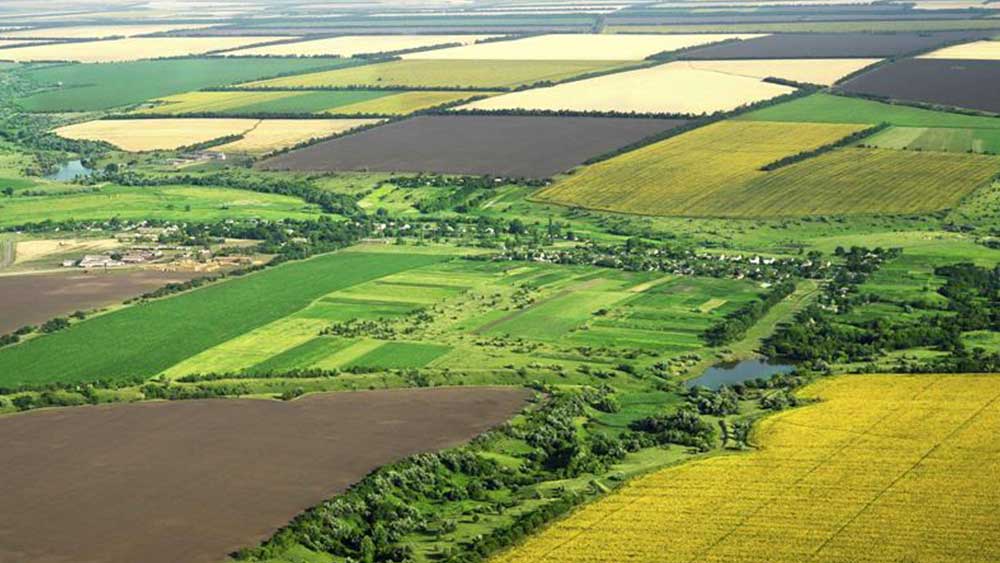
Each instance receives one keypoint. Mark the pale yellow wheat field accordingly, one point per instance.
(884, 469)
(274, 134)
(811, 71)
(136, 48)
(670, 88)
(359, 44)
(156, 134)
(979, 50)
(100, 31)
(582, 46)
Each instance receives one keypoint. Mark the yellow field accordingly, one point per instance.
(349, 46)
(670, 88)
(273, 134)
(99, 31)
(197, 102)
(156, 134)
(405, 102)
(442, 74)
(885, 469)
(136, 48)
(979, 50)
(693, 173)
(811, 71)
(581, 46)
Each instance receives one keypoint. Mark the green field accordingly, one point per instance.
(443, 74)
(938, 139)
(143, 340)
(401, 355)
(87, 87)
(827, 108)
(181, 203)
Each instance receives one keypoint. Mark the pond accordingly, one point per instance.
(730, 373)
(69, 171)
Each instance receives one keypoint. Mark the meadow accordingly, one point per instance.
(442, 74)
(140, 341)
(882, 468)
(86, 87)
(180, 203)
(693, 173)
(131, 49)
(672, 88)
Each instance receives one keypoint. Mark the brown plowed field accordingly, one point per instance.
(531, 147)
(31, 299)
(947, 82)
(191, 481)
(832, 45)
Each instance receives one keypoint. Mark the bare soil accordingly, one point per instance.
(958, 83)
(517, 146)
(833, 45)
(31, 299)
(192, 481)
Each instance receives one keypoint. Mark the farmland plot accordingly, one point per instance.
(274, 134)
(672, 88)
(132, 49)
(581, 46)
(832, 45)
(443, 74)
(459, 144)
(810, 71)
(696, 173)
(98, 31)
(938, 139)
(979, 50)
(352, 45)
(218, 472)
(884, 468)
(960, 83)
(156, 134)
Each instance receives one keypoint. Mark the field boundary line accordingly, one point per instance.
(965, 423)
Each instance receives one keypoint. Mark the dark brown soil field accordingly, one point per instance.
(192, 481)
(516, 146)
(965, 84)
(31, 299)
(833, 45)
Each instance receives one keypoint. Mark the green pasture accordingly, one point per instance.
(400, 355)
(140, 341)
(937, 139)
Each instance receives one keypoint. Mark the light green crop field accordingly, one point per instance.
(88, 87)
(937, 139)
(828, 108)
(401, 355)
(443, 74)
(698, 173)
(180, 203)
(140, 341)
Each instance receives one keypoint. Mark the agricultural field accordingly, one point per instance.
(97, 31)
(350, 46)
(698, 173)
(535, 147)
(858, 26)
(940, 82)
(977, 51)
(269, 135)
(157, 134)
(824, 72)
(442, 74)
(131, 49)
(674, 88)
(938, 139)
(822, 485)
(340, 102)
(179, 203)
(591, 47)
(238, 480)
(87, 87)
(832, 45)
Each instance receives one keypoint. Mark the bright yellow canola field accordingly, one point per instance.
(132, 49)
(884, 469)
(694, 173)
(670, 88)
(442, 74)
(351, 45)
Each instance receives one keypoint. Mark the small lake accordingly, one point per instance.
(731, 373)
(69, 171)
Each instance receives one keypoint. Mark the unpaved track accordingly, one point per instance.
(191, 481)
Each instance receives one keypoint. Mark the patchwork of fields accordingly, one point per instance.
(883, 468)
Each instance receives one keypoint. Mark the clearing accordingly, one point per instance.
(674, 88)
(884, 468)
(221, 474)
